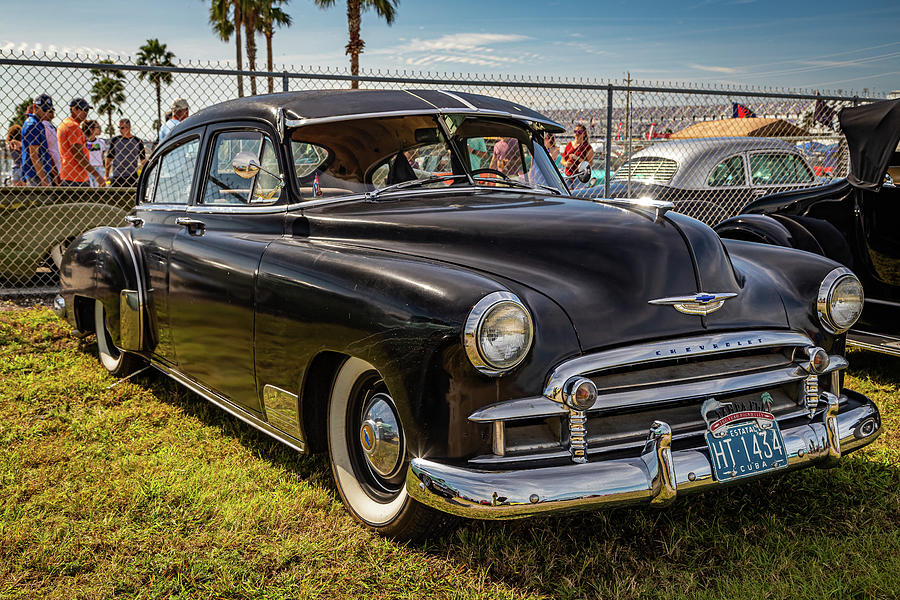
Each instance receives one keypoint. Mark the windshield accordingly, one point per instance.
(379, 154)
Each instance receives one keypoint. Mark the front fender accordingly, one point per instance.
(404, 315)
(103, 264)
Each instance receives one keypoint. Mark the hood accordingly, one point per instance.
(601, 263)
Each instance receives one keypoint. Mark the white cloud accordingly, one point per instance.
(39, 48)
(474, 49)
(713, 69)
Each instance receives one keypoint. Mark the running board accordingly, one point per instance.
(873, 341)
(232, 409)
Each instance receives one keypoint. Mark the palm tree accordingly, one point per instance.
(270, 17)
(108, 92)
(250, 16)
(155, 54)
(226, 18)
(384, 8)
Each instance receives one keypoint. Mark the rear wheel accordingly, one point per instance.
(114, 360)
(367, 447)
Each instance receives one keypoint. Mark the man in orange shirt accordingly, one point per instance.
(74, 157)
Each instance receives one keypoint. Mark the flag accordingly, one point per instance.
(823, 113)
(739, 111)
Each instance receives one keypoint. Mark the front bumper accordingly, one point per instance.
(657, 476)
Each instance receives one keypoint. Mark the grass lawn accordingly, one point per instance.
(143, 490)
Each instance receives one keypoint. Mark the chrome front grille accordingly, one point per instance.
(666, 380)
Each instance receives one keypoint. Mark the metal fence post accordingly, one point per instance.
(284, 81)
(609, 107)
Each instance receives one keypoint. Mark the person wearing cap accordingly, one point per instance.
(180, 112)
(37, 164)
(76, 161)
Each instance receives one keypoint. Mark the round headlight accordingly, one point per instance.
(840, 300)
(498, 333)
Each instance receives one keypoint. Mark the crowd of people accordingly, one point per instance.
(75, 154)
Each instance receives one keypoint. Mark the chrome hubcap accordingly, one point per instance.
(380, 435)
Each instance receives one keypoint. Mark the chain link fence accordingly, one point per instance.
(709, 150)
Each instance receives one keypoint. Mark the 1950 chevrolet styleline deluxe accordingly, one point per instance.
(401, 279)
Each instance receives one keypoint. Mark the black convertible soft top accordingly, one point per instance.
(314, 105)
(872, 131)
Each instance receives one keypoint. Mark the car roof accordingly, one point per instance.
(697, 157)
(305, 107)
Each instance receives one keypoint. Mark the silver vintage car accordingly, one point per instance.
(710, 179)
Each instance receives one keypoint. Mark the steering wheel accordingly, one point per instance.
(493, 171)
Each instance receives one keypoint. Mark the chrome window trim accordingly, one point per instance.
(209, 209)
(422, 192)
(473, 329)
(482, 112)
(823, 298)
(655, 351)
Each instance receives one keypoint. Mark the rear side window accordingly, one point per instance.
(653, 169)
(176, 174)
(772, 168)
(727, 173)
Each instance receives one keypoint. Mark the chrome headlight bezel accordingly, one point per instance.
(473, 329)
(826, 294)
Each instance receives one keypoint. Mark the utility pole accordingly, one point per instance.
(628, 131)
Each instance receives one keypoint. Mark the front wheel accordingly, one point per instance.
(114, 360)
(367, 447)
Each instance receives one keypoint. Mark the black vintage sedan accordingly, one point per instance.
(852, 221)
(400, 279)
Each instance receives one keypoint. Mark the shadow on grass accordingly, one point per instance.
(837, 528)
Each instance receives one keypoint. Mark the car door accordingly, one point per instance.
(879, 214)
(164, 193)
(214, 262)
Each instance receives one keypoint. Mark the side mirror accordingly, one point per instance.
(245, 165)
(584, 172)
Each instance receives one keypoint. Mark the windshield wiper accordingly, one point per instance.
(413, 183)
(517, 183)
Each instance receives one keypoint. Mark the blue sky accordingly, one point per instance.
(824, 45)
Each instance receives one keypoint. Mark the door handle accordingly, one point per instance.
(135, 221)
(194, 226)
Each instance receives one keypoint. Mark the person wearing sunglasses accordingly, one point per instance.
(578, 150)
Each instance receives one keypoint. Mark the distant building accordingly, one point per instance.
(894, 95)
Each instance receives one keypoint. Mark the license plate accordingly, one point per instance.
(745, 447)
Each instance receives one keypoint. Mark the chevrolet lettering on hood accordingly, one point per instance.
(719, 345)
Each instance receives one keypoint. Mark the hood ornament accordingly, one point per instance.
(701, 303)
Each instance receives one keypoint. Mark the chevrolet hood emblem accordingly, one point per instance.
(701, 303)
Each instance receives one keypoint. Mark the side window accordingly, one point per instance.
(727, 173)
(150, 186)
(176, 174)
(772, 168)
(224, 186)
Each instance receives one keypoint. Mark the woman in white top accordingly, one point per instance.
(96, 148)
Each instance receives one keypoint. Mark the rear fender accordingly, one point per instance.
(755, 228)
(103, 264)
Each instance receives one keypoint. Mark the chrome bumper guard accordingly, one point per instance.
(657, 476)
